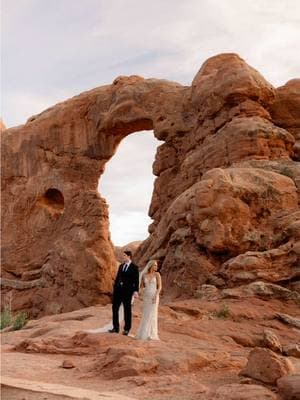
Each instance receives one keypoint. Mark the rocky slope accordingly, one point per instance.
(225, 205)
(231, 344)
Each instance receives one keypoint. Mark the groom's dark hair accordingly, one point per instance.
(128, 253)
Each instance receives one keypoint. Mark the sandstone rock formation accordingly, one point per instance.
(225, 205)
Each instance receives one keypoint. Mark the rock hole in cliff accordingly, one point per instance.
(127, 186)
(54, 199)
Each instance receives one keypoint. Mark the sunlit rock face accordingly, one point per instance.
(225, 204)
(226, 199)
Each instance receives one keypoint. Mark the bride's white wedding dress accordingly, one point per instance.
(148, 325)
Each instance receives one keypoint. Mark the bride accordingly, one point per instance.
(150, 288)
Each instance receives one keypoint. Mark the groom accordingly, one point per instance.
(126, 285)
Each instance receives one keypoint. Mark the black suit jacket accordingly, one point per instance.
(127, 281)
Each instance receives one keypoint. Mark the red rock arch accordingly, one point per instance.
(54, 263)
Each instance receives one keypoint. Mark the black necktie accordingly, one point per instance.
(125, 267)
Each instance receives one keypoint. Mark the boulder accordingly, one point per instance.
(266, 366)
(67, 364)
(289, 387)
(271, 341)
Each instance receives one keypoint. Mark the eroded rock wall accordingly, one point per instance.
(227, 184)
(226, 199)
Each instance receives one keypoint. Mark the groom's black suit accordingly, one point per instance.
(126, 283)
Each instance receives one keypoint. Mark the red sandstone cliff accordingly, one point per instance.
(225, 205)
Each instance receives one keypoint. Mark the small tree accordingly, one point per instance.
(17, 321)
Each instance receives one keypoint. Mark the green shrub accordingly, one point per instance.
(17, 322)
(20, 320)
(223, 312)
(5, 318)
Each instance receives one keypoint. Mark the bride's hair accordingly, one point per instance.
(150, 265)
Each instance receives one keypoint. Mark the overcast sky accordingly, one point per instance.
(54, 49)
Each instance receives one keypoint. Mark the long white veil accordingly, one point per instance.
(144, 271)
(109, 325)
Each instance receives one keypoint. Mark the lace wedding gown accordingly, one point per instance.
(148, 325)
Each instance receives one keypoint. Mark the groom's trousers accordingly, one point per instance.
(121, 296)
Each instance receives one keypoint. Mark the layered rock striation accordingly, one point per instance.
(225, 204)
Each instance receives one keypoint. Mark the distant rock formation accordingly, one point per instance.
(132, 246)
(225, 205)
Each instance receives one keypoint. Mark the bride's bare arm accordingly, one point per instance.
(158, 283)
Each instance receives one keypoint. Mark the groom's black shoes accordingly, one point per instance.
(125, 333)
(113, 330)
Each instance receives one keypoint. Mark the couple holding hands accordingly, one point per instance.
(128, 284)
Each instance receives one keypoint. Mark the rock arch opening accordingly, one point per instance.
(127, 186)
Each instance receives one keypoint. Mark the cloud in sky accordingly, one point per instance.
(52, 50)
